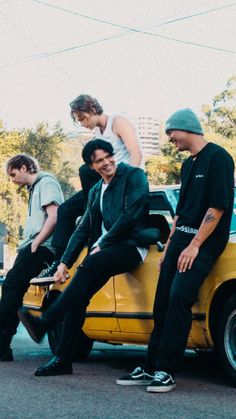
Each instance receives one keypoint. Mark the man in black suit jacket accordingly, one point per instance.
(115, 215)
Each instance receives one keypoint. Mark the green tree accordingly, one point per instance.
(221, 115)
(47, 148)
(13, 203)
(43, 145)
(165, 169)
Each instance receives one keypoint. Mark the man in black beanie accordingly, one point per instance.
(198, 236)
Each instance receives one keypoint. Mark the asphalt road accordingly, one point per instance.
(91, 392)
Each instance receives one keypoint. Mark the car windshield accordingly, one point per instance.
(233, 220)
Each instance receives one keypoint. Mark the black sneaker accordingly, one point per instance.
(46, 277)
(137, 377)
(55, 366)
(161, 383)
(35, 326)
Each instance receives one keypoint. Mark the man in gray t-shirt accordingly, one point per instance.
(35, 250)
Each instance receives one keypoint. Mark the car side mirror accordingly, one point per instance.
(160, 246)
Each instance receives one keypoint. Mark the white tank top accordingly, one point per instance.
(120, 150)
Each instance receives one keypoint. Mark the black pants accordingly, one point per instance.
(91, 275)
(71, 209)
(176, 293)
(26, 266)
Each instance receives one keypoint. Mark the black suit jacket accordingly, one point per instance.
(125, 208)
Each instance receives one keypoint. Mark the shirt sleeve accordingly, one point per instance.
(50, 193)
(221, 180)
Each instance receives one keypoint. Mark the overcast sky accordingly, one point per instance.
(143, 57)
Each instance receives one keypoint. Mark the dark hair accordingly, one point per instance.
(16, 162)
(93, 145)
(85, 103)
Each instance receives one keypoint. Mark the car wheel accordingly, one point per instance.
(83, 344)
(226, 339)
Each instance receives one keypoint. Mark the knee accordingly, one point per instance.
(176, 296)
(92, 267)
(11, 281)
(82, 283)
(85, 272)
(182, 297)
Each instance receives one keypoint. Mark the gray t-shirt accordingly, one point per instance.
(45, 191)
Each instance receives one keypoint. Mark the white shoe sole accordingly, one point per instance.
(133, 383)
(152, 389)
(44, 281)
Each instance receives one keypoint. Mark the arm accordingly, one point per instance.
(47, 228)
(125, 130)
(208, 225)
(73, 249)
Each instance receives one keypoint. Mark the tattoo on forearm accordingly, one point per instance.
(209, 217)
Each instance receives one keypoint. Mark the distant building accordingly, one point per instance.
(148, 132)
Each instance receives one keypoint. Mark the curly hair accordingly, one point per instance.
(85, 103)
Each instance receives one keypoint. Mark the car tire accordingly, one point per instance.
(83, 344)
(226, 339)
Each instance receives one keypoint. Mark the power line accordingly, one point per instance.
(126, 33)
(168, 38)
(216, 9)
(137, 30)
(42, 54)
(106, 22)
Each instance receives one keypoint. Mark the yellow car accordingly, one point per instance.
(121, 312)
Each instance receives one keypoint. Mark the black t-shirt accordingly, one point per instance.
(207, 181)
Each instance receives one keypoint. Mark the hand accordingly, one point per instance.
(60, 274)
(95, 250)
(34, 246)
(187, 257)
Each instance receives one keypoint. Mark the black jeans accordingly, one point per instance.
(71, 209)
(27, 265)
(176, 293)
(91, 275)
